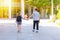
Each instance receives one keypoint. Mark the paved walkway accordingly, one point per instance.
(8, 31)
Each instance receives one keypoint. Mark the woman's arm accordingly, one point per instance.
(31, 16)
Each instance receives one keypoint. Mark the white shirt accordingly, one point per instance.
(36, 16)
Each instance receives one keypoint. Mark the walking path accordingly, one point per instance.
(48, 31)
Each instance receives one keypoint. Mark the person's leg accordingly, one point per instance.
(37, 26)
(19, 28)
(33, 26)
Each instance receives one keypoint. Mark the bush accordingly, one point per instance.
(58, 14)
(54, 18)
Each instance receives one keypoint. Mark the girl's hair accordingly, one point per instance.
(18, 12)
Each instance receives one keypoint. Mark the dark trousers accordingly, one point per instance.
(36, 25)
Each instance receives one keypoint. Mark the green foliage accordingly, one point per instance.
(58, 14)
(44, 3)
(56, 2)
(38, 3)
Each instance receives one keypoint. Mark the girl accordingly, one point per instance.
(19, 21)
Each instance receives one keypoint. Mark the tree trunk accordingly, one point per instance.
(57, 7)
(51, 16)
(46, 13)
(42, 13)
(29, 11)
(52, 7)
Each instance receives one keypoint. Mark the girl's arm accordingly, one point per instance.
(16, 19)
(23, 18)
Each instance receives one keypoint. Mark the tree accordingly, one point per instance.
(38, 3)
(43, 4)
(57, 2)
(58, 14)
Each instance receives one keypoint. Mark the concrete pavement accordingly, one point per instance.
(8, 31)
